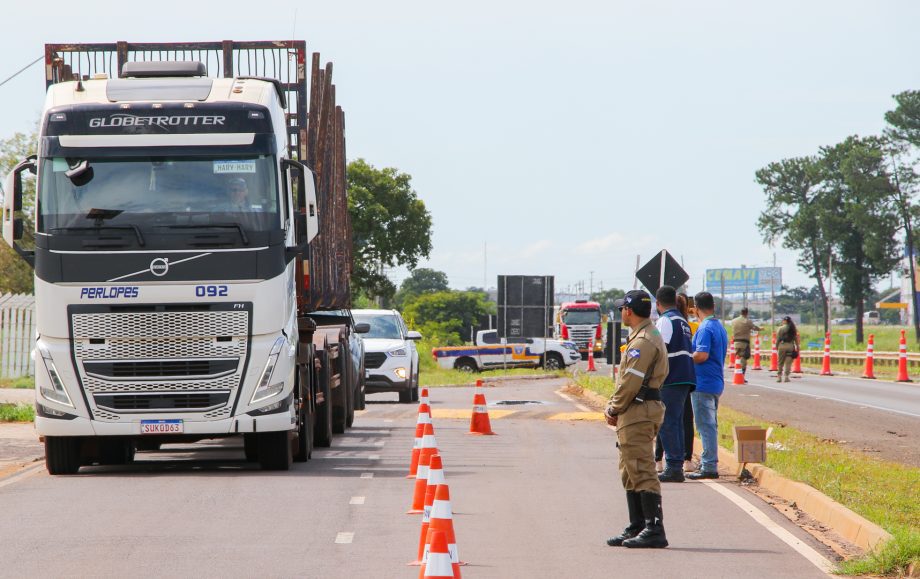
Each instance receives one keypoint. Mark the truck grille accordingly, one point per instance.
(160, 358)
(581, 336)
(162, 401)
(374, 360)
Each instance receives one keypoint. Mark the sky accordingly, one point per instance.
(556, 138)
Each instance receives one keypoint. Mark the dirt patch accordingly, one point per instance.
(589, 398)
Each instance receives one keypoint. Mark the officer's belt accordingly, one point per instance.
(647, 394)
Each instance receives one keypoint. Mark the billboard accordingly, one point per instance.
(740, 280)
(525, 306)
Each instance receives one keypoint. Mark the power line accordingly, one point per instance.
(21, 70)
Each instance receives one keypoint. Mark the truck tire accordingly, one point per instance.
(303, 442)
(274, 450)
(250, 448)
(351, 394)
(62, 454)
(466, 365)
(360, 401)
(322, 428)
(340, 394)
(554, 362)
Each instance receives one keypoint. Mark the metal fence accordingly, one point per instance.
(17, 334)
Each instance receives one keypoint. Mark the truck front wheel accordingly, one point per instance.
(62, 454)
(274, 450)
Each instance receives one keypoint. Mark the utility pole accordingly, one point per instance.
(773, 293)
(592, 282)
(722, 280)
(485, 265)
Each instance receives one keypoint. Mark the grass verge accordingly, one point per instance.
(882, 492)
(24, 382)
(16, 413)
(432, 377)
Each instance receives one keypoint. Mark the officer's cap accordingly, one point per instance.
(636, 300)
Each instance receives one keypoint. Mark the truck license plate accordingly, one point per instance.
(162, 427)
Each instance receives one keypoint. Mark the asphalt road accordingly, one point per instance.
(538, 500)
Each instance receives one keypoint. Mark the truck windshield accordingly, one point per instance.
(158, 191)
(581, 317)
(382, 326)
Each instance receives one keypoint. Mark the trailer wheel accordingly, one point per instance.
(274, 450)
(466, 365)
(62, 454)
(322, 428)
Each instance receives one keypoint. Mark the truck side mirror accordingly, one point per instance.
(362, 328)
(13, 229)
(306, 221)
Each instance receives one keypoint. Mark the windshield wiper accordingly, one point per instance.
(134, 228)
(236, 226)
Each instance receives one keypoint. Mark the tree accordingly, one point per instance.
(795, 207)
(863, 224)
(390, 226)
(15, 274)
(421, 280)
(453, 312)
(607, 297)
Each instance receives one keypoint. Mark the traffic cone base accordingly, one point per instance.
(437, 561)
(774, 356)
(739, 375)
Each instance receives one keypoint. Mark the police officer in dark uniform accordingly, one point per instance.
(636, 410)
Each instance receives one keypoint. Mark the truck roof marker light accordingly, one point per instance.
(157, 105)
(188, 105)
(124, 106)
(256, 115)
(57, 117)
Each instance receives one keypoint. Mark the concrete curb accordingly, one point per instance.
(849, 525)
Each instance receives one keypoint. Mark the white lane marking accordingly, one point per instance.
(373, 457)
(356, 501)
(820, 397)
(769, 524)
(367, 475)
(388, 420)
(22, 475)
(381, 443)
(344, 538)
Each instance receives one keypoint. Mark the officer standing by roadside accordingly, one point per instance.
(636, 410)
(742, 327)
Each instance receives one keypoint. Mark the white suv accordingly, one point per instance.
(390, 355)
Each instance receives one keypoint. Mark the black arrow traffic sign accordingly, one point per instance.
(663, 269)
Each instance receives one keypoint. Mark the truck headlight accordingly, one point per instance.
(399, 352)
(56, 393)
(263, 390)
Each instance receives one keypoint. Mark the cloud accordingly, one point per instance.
(617, 242)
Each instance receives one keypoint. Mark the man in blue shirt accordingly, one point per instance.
(709, 345)
(676, 334)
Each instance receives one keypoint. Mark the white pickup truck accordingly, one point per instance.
(489, 352)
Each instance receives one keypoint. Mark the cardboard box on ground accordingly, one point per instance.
(751, 443)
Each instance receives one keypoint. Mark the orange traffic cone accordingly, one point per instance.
(442, 519)
(731, 353)
(437, 562)
(797, 364)
(774, 357)
(591, 367)
(435, 478)
(870, 358)
(902, 360)
(739, 375)
(826, 363)
(479, 421)
(423, 397)
(424, 417)
(429, 448)
(479, 383)
(756, 365)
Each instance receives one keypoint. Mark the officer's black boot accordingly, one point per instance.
(652, 536)
(636, 520)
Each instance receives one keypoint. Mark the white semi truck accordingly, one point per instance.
(186, 225)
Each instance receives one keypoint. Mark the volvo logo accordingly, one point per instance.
(159, 266)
